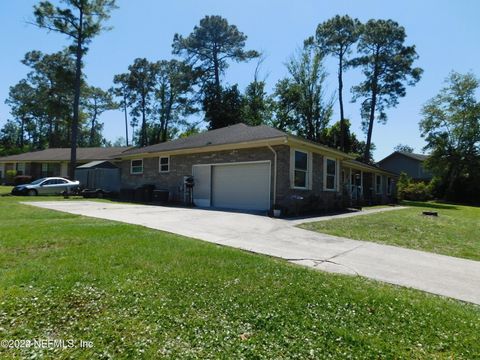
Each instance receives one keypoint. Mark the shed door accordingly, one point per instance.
(241, 186)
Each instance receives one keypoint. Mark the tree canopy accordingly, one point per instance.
(159, 97)
(302, 105)
(451, 128)
(81, 21)
(336, 37)
(211, 45)
(208, 50)
(404, 148)
(387, 65)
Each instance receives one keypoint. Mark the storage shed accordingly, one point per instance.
(99, 175)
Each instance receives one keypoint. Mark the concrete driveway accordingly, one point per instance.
(438, 274)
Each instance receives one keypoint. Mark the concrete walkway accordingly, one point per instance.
(345, 215)
(438, 274)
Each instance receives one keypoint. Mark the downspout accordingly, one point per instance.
(274, 174)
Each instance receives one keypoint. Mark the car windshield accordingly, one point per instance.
(36, 182)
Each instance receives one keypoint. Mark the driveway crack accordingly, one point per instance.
(345, 252)
(317, 262)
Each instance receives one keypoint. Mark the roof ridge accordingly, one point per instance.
(231, 134)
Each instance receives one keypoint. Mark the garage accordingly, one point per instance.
(243, 186)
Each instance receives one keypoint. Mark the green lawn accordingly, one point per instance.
(5, 189)
(141, 293)
(455, 232)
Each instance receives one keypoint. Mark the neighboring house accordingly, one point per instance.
(409, 163)
(54, 161)
(256, 168)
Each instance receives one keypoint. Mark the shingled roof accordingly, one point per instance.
(418, 157)
(233, 134)
(63, 154)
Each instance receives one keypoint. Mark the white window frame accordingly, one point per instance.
(308, 171)
(131, 167)
(160, 164)
(335, 180)
(378, 185)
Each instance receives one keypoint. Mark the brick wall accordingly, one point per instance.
(312, 199)
(181, 165)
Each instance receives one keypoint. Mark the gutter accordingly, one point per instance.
(274, 174)
(321, 148)
(369, 168)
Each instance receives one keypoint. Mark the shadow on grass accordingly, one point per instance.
(431, 205)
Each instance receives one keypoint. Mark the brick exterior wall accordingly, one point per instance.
(312, 199)
(181, 165)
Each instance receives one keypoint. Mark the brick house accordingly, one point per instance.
(256, 168)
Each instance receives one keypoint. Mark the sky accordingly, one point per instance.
(446, 35)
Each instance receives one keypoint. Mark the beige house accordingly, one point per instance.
(54, 161)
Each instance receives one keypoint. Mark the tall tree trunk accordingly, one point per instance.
(22, 130)
(51, 142)
(340, 101)
(167, 120)
(92, 130)
(143, 130)
(133, 134)
(218, 94)
(373, 103)
(76, 100)
(126, 117)
(216, 70)
(164, 131)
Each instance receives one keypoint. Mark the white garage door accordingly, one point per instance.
(241, 186)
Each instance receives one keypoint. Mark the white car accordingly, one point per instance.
(47, 186)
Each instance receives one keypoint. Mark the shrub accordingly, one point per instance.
(417, 192)
(22, 179)
(410, 190)
(10, 176)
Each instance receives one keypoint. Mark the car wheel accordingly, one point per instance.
(32, 192)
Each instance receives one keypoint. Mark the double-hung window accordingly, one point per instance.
(330, 174)
(378, 184)
(164, 164)
(136, 166)
(300, 171)
(47, 169)
(389, 186)
(20, 168)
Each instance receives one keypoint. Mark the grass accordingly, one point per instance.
(140, 293)
(372, 207)
(454, 232)
(5, 189)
